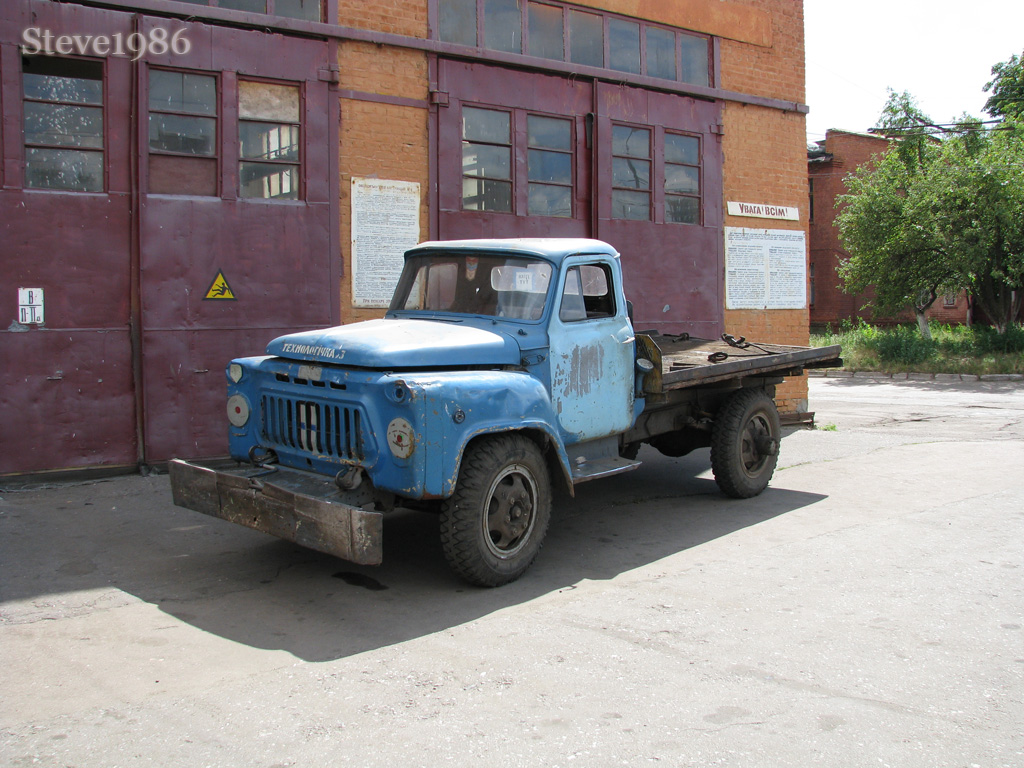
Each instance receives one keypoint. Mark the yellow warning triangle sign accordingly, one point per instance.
(219, 288)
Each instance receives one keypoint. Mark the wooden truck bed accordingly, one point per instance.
(682, 361)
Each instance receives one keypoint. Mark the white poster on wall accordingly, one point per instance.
(765, 269)
(385, 224)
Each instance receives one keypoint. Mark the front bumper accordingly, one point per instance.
(292, 505)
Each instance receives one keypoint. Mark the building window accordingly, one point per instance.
(307, 10)
(503, 25)
(63, 121)
(682, 179)
(182, 133)
(269, 139)
(486, 160)
(949, 299)
(631, 173)
(632, 46)
(586, 39)
(813, 287)
(810, 199)
(549, 166)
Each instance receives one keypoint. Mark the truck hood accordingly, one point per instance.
(399, 343)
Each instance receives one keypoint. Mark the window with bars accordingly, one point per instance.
(269, 140)
(63, 123)
(182, 133)
(587, 37)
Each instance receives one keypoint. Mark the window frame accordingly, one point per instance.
(299, 164)
(607, 18)
(218, 141)
(102, 151)
(651, 173)
(698, 166)
(270, 9)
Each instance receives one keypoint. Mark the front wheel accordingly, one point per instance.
(745, 443)
(493, 526)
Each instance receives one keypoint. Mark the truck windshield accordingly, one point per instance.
(478, 284)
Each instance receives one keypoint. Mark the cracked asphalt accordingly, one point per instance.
(866, 610)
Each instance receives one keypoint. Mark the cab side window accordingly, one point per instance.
(587, 294)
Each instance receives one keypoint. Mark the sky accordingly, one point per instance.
(942, 51)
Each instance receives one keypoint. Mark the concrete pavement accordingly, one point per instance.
(866, 610)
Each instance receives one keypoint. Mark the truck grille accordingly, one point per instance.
(319, 428)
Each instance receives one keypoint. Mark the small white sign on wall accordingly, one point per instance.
(30, 306)
(765, 269)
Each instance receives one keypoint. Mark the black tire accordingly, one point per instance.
(494, 524)
(745, 443)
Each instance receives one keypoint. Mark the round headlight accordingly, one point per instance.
(238, 410)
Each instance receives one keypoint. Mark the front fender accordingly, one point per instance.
(462, 405)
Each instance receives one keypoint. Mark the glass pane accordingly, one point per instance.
(548, 132)
(269, 180)
(632, 142)
(457, 21)
(546, 31)
(503, 26)
(63, 125)
(546, 200)
(266, 141)
(254, 6)
(661, 53)
(55, 79)
(682, 178)
(486, 195)
(182, 92)
(550, 166)
(586, 39)
(627, 172)
(634, 206)
(682, 149)
(486, 125)
(178, 133)
(266, 101)
(177, 175)
(298, 9)
(682, 210)
(486, 160)
(694, 54)
(624, 45)
(69, 169)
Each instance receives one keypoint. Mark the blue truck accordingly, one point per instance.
(502, 368)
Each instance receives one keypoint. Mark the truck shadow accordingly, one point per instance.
(124, 534)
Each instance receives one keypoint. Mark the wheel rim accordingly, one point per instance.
(510, 511)
(757, 445)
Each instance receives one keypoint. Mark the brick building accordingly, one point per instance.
(828, 163)
(183, 181)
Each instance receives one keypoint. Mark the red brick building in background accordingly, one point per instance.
(184, 206)
(840, 154)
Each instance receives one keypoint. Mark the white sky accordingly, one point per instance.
(942, 51)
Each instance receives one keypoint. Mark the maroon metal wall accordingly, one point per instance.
(125, 272)
(673, 272)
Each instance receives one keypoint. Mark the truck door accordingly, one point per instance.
(591, 354)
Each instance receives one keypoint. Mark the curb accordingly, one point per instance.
(839, 373)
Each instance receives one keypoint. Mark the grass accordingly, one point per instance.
(901, 349)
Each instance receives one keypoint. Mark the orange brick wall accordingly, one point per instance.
(766, 161)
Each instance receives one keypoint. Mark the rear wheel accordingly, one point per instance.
(745, 443)
(494, 524)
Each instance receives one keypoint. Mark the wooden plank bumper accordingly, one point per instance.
(291, 505)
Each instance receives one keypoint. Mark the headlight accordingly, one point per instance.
(235, 372)
(238, 410)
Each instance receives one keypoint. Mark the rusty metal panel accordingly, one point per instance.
(671, 272)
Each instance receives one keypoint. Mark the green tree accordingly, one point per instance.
(1007, 87)
(887, 220)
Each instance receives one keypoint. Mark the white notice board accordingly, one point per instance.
(385, 224)
(765, 268)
